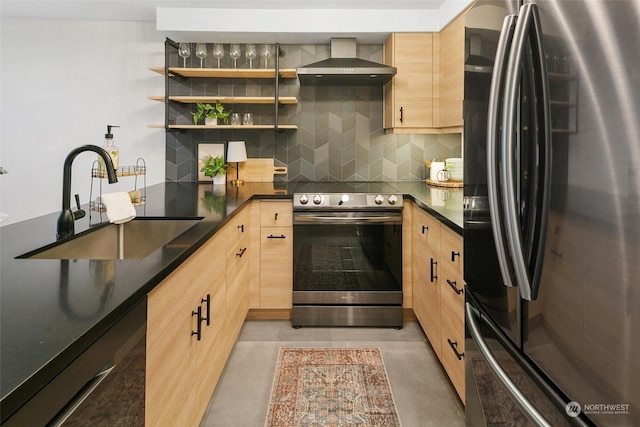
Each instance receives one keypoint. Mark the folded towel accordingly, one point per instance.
(119, 207)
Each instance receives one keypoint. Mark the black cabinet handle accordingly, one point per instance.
(424, 228)
(198, 331)
(275, 216)
(241, 227)
(401, 114)
(454, 347)
(434, 264)
(241, 252)
(271, 236)
(454, 287)
(454, 255)
(208, 309)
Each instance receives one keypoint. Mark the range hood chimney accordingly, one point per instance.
(344, 68)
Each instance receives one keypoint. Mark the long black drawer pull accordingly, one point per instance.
(198, 331)
(454, 255)
(208, 301)
(241, 252)
(271, 236)
(454, 347)
(434, 275)
(424, 228)
(401, 114)
(454, 287)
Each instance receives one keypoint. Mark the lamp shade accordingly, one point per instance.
(236, 151)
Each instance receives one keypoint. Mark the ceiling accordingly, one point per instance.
(282, 20)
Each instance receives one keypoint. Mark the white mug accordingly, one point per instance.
(434, 169)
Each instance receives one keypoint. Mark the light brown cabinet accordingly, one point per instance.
(276, 255)
(193, 319)
(426, 284)
(409, 95)
(438, 299)
(425, 96)
(197, 285)
(449, 86)
(452, 308)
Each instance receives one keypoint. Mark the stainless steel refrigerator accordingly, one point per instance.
(552, 212)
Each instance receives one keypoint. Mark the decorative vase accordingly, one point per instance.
(220, 179)
(211, 121)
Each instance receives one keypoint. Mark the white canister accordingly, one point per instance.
(435, 168)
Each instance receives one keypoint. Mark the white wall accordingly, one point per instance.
(62, 82)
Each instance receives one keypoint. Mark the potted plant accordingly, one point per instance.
(216, 168)
(211, 113)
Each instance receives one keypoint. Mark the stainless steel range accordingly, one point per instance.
(347, 243)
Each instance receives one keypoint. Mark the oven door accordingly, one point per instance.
(347, 259)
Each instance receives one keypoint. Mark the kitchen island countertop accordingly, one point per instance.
(52, 310)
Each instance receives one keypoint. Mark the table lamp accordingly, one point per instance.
(237, 152)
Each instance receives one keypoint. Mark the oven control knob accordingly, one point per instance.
(304, 199)
(317, 199)
(392, 199)
(378, 199)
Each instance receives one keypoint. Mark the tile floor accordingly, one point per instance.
(422, 392)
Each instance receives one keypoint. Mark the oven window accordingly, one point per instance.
(339, 257)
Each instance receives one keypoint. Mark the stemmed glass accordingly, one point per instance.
(234, 53)
(218, 52)
(201, 52)
(184, 50)
(266, 54)
(250, 53)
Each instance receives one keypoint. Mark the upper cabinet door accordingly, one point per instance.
(409, 95)
(450, 81)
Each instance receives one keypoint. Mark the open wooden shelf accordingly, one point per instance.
(244, 127)
(228, 99)
(240, 73)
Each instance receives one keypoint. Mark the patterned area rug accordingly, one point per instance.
(331, 387)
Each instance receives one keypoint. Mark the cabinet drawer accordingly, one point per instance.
(276, 213)
(452, 300)
(426, 227)
(237, 296)
(452, 355)
(451, 249)
(236, 228)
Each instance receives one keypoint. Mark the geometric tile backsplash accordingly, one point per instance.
(339, 137)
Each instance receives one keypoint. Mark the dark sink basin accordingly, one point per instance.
(133, 240)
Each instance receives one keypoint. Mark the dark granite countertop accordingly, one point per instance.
(52, 310)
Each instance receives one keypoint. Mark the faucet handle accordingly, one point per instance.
(79, 213)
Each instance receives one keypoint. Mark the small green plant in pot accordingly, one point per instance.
(215, 167)
(208, 111)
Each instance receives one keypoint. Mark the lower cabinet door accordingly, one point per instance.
(276, 267)
(170, 394)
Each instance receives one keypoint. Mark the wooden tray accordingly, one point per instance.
(259, 170)
(447, 184)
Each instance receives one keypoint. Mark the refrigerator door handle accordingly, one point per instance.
(544, 164)
(528, 14)
(529, 409)
(497, 80)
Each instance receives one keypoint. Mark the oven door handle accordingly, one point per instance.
(319, 219)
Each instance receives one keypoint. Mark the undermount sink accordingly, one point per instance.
(132, 240)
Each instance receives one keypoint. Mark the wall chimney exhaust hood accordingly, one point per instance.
(343, 68)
